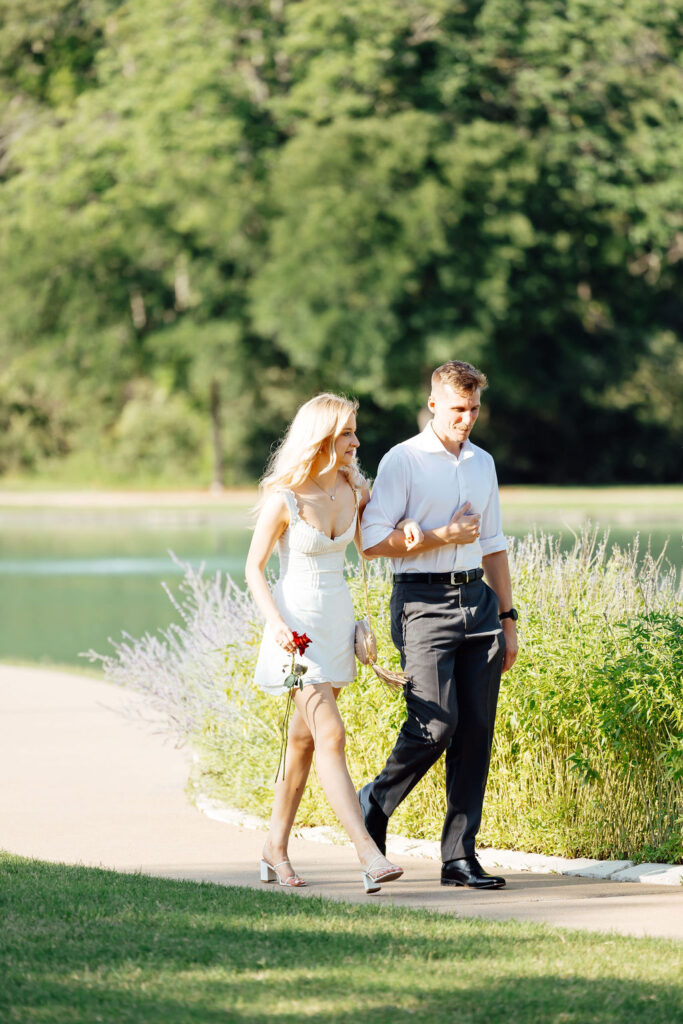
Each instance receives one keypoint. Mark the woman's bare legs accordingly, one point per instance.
(288, 793)
(317, 705)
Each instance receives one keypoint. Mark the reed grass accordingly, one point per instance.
(588, 750)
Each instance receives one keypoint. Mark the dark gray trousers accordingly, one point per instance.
(452, 648)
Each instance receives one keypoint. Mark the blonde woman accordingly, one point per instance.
(311, 500)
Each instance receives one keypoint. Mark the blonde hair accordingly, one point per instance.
(315, 428)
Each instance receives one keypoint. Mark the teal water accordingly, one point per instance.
(68, 584)
(67, 587)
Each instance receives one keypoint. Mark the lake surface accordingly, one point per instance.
(71, 579)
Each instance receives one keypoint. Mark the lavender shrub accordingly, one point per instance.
(198, 670)
(587, 757)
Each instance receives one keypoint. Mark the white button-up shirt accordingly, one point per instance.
(420, 479)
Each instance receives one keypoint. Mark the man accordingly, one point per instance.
(456, 634)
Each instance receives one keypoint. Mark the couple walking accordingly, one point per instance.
(434, 511)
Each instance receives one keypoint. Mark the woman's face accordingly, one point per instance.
(346, 444)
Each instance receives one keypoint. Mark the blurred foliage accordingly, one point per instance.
(228, 207)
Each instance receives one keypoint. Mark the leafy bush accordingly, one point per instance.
(33, 427)
(157, 432)
(588, 751)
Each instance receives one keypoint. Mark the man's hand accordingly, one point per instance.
(464, 526)
(510, 634)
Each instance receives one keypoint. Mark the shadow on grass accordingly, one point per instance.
(84, 945)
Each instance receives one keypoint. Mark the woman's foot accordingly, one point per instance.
(379, 870)
(278, 868)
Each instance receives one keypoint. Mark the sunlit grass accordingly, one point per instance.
(651, 498)
(648, 502)
(80, 945)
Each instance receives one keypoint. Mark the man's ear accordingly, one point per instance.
(431, 403)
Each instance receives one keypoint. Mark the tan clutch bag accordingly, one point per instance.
(365, 644)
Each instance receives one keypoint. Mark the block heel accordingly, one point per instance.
(372, 880)
(370, 884)
(268, 873)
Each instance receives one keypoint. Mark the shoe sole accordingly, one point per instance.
(390, 876)
(464, 885)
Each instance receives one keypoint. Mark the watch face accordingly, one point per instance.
(512, 614)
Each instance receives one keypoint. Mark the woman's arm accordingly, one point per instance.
(462, 529)
(362, 502)
(270, 525)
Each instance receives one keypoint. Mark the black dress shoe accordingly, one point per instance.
(374, 817)
(469, 872)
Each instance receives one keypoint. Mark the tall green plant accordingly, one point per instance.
(587, 757)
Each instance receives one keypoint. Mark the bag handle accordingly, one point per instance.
(362, 559)
(394, 680)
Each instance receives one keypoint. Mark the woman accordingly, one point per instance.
(312, 497)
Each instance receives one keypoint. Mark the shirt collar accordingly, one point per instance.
(429, 442)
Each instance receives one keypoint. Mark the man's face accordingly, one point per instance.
(455, 412)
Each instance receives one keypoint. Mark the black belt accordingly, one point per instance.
(456, 579)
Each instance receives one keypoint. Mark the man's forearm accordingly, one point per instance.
(497, 573)
(394, 546)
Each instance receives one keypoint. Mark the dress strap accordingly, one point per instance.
(291, 503)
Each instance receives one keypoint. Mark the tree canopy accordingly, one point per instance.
(213, 209)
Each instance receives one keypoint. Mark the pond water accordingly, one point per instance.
(68, 581)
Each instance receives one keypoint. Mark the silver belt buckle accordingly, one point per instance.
(453, 575)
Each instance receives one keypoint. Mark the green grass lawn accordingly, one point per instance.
(659, 499)
(636, 506)
(86, 945)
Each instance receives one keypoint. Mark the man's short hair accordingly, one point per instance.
(462, 377)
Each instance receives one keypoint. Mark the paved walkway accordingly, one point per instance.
(84, 783)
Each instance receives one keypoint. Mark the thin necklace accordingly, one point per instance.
(330, 496)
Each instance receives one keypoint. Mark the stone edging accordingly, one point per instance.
(511, 860)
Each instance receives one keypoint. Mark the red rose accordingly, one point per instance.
(301, 642)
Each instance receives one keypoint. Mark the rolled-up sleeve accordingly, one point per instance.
(492, 538)
(388, 502)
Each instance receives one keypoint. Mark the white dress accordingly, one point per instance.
(313, 598)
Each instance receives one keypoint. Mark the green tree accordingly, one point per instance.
(243, 204)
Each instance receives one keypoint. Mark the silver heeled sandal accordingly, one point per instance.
(269, 873)
(372, 882)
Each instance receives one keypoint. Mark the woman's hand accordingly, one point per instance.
(412, 532)
(283, 635)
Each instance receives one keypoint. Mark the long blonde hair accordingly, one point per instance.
(315, 429)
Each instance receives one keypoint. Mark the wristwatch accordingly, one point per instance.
(512, 614)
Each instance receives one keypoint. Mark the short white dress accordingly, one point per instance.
(313, 598)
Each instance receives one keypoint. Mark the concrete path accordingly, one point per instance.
(84, 783)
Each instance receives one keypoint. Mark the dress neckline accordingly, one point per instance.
(316, 529)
